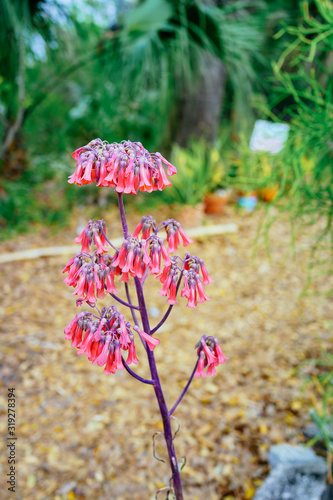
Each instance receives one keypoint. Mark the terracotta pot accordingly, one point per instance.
(269, 193)
(190, 216)
(215, 203)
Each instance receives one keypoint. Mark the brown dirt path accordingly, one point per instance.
(84, 435)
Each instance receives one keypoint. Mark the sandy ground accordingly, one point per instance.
(85, 435)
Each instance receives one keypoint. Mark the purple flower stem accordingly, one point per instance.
(144, 343)
(123, 302)
(122, 215)
(130, 302)
(144, 276)
(154, 373)
(98, 317)
(165, 317)
(111, 244)
(135, 375)
(185, 389)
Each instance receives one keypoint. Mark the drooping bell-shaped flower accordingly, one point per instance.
(156, 250)
(132, 258)
(74, 266)
(169, 278)
(146, 225)
(105, 339)
(131, 358)
(201, 365)
(151, 341)
(194, 263)
(93, 232)
(174, 232)
(210, 355)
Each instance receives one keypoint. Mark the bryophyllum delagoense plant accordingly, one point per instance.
(105, 336)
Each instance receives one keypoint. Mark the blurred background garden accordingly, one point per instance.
(190, 79)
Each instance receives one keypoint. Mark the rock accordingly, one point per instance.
(300, 482)
(285, 454)
(327, 493)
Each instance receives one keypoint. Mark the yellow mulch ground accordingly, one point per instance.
(84, 435)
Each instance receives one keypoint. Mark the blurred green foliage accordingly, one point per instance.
(320, 388)
(304, 169)
(66, 78)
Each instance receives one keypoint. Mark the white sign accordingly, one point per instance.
(269, 136)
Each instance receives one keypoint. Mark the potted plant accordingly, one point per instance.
(218, 195)
(189, 189)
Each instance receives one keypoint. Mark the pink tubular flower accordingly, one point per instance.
(76, 327)
(193, 283)
(210, 356)
(83, 282)
(171, 168)
(173, 290)
(146, 224)
(206, 278)
(151, 341)
(118, 360)
(105, 338)
(127, 166)
(101, 359)
(174, 231)
(110, 362)
(131, 358)
(74, 267)
(201, 364)
(157, 250)
(109, 281)
(211, 370)
(169, 278)
(218, 353)
(200, 289)
(163, 181)
(93, 232)
(190, 288)
(196, 264)
(166, 285)
(132, 259)
(93, 280)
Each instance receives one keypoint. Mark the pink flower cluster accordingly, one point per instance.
(92, 279)
(135, 256)
(93, 232)
(103, 339)
(127, 166)
(174, 232)
(147, 224)
(193, 282)
(93, 275)
(210, 355)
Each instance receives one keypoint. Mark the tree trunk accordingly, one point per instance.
(201, 107)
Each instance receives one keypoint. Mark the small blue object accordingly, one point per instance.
(248, 202)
